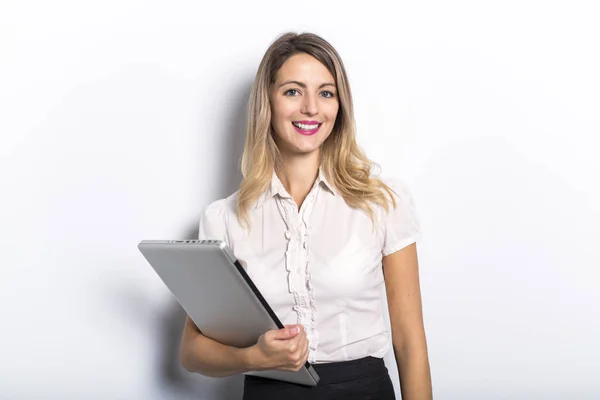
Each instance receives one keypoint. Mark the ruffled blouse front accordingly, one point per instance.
(297, 262)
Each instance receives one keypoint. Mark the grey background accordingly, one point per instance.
(120, 121)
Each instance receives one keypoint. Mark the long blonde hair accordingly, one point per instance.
(344, 164)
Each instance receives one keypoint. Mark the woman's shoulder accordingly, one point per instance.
(219, 208)
(398, 186)
(216, 217)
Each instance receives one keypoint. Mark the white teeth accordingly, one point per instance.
(305, 127)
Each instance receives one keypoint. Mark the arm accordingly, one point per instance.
(208, 357)
(406, 319)
(198, 353)
(283, 349)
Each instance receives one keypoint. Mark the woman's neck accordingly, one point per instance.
(300, 174)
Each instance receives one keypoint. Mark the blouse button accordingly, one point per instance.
(288, 234)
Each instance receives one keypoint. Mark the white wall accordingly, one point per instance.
(120, 120)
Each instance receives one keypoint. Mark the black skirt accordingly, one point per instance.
(364, 379)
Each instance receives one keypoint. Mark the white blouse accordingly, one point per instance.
(321, 266)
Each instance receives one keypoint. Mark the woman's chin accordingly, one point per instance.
(303, 149)
(303, 144)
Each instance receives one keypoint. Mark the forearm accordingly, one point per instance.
(211, 358)
(414, 373)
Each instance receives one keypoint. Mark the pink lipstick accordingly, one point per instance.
(307, 127)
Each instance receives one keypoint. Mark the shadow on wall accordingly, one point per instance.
(171, 374)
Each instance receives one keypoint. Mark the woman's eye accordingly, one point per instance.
(289, 91)
(327, 94)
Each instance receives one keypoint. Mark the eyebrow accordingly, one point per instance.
(302, 85)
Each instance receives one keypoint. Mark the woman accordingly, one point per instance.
(319, 236)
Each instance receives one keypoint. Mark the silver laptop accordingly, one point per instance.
(218, 295)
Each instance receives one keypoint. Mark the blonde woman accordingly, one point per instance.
(319, 235)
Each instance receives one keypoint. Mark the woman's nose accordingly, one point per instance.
(309, 105)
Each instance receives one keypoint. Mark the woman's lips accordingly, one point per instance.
(307, 133)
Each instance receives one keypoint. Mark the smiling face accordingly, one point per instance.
(304, 105)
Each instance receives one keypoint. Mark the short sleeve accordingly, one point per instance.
(401, 226)
(213, 225)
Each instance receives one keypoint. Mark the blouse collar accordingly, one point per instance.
(277, 187)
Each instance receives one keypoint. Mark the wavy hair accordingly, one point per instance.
(344, 164)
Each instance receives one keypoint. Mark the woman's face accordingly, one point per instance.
(304, 105)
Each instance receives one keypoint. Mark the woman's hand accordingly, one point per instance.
(281, 349)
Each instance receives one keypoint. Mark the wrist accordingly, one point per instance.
(249, 359)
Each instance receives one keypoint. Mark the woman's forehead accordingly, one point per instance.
(304, 68)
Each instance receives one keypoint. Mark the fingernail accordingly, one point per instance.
(297, 329)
